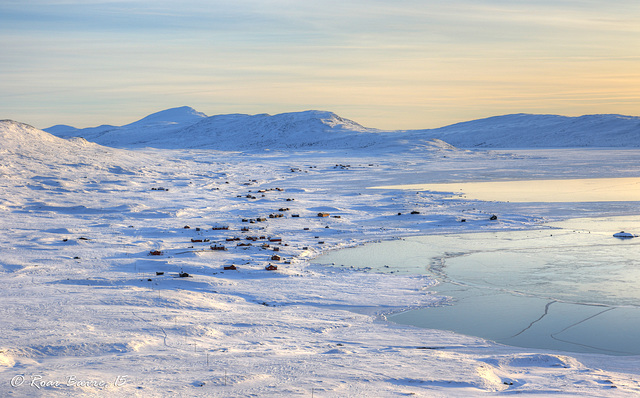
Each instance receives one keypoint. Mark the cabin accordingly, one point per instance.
(271, 267)
(275, 257)
(275, 239)
(230, 267)
(322, 214)
(155, 253)
(216, 247)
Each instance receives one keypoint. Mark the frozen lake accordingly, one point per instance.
(571, 287)
(564, 190)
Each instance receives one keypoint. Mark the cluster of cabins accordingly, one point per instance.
(268, 242)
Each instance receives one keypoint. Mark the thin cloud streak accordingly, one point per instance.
(360, 57)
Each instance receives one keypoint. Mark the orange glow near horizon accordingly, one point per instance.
(404, 65)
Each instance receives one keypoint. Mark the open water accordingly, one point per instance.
(571, 286)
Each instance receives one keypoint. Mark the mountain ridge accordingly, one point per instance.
(523, 130)
(184, 127)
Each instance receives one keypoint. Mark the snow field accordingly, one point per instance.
(85, 312)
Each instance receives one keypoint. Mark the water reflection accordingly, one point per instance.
(572, 288)
(569, 190)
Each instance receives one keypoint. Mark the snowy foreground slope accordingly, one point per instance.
(86, 311)
(184, 127)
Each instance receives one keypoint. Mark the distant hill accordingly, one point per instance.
(542, 131)
(143, 132)
(308, 129)
(186, 128)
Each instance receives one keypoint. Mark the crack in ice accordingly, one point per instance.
(546, 311)
(553, 335)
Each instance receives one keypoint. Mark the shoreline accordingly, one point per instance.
(98, 302)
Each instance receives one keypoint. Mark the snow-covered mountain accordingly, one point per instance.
(143, 132)
(542, 131)
(308, 129)
(186, 128)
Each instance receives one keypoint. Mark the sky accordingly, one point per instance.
(402, 64)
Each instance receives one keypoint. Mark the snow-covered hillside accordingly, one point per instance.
(23, 147)
(144, 132)
(309, 129)
(95, 240)
(542, 131)
(238, 132)
(186, 128)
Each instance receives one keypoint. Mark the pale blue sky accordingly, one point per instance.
(386, 64)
